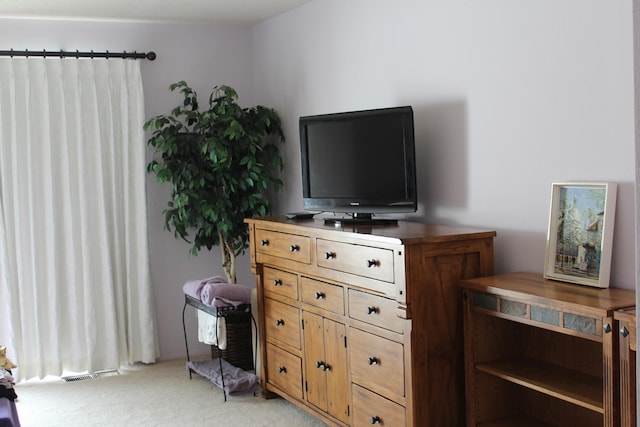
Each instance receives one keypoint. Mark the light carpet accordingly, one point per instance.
(160, 394)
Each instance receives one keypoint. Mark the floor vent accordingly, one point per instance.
(92, 376)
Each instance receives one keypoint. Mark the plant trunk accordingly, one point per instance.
(228, 260)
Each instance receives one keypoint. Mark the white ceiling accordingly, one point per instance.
(188, 11)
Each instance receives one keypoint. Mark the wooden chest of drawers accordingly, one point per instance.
(362, 325)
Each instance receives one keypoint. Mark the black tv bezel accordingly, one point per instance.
(362, 208)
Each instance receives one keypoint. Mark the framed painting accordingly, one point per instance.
(579, 239)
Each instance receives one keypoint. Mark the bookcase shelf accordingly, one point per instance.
(559, 382)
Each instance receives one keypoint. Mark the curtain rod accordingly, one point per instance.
(64, 54)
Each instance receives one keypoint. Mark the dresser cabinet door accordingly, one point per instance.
(316, 383)
(325, 358)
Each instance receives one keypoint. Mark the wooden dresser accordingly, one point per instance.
(362, 325)
(540, 352)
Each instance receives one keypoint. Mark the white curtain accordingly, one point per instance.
(75, 288)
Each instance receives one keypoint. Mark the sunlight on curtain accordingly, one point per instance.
(75, 286)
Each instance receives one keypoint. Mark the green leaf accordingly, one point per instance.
(221, 174)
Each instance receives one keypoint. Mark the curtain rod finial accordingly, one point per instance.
(151, 56)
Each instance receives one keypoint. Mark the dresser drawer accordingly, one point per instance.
(282, 323)
(376, 362)
(283, 245)
(323, 295)
(374, 309)
(366, 261)
(285, 371)
(278, 282)
(370, 408)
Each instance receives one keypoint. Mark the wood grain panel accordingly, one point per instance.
(282, 323)
(366, 261)
(322, 295)
(372, 409)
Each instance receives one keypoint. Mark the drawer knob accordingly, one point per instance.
(372, 263)
(607, 328)
(375, 420)
(294, 248)
(373, 360)
(326, 367)
(282, 370)
(624, 331)
(279, 322)
(319, 295)
(330, 255)
(372, 310)
(277, 282)
(320, 364)
(264, 242)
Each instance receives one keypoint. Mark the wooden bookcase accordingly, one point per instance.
(628, 348)
(540, 352)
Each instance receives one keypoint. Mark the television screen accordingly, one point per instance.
(359, 162)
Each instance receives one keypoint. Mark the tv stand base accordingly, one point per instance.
(357, 221)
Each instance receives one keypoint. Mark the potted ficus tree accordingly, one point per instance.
(221, 162)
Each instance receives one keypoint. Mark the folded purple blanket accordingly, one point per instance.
(193, 288)
(224, 294)
(236, 381)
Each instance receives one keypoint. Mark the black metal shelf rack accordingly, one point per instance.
(232, 315)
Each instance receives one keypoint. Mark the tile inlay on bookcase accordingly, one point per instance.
(485, 301)
(545, 315)
(579, 323)
(575, 322)
(513, 308)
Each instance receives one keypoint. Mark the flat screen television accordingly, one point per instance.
(360, 162)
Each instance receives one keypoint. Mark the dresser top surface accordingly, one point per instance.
(404, 232)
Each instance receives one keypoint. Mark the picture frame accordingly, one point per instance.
(579, 239)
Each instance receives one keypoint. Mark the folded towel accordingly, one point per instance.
(212, 330)
(214, 279)
(215, 292)
(219, 294)
(193, 288)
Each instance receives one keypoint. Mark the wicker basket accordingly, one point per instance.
(239, 351)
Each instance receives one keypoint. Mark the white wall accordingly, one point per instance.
(204, 57)
(508, 97)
